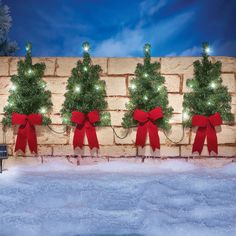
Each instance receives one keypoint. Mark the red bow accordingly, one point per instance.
(206, 128)
(26, 131)
(146, 120)
(85, 124)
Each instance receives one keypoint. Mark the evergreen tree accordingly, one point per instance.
(28, 94)
(147, 91)
(6, 47)
(85, 91)
(208, 95)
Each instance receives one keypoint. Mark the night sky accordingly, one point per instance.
(120, 28)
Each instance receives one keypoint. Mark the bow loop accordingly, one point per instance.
(26, 131)
(206, 129)
(85, 125)
(146, 124)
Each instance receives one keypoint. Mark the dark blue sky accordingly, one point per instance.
(121, 27)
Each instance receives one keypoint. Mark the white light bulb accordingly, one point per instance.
(43, 110)
(213, 85)
(77, 89)
(10, 104)
(209, 103)
(145, 97)
(97, 87)
(208, 50)
(30, 71)
(159, 88)
(85, 68)
(185, 115)
(133, 86)
(65, 119)
(86, 48)
(13, 87)
(145, 75)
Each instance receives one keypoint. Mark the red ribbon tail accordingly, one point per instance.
(78, 140)
(32, 138)
(21, 139)
(92, 137)
(212, 139)
(153, 136)
(141, 135)
(199, 140)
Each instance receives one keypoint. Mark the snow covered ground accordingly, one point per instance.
(118, 198)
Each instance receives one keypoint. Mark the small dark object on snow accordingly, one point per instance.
(3, 154)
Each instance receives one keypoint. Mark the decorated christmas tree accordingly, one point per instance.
(28, 102)
(85, 104)
(148, 105)
(209, 102)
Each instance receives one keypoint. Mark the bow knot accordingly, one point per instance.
(85, 125)
(146, 124)
(26, 131)
(206, 129)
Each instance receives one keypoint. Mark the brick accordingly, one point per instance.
(4, 66)
(172, 82)
(186, 150)
(228, 63)
(115, 86)
(117, 150)
(56, 85)
(116, 117)
(3, 102)
(13, 64)
(104, 135)
(227, 151)
(229, 81)
(65, 65)
(46, 136)
(5, 85)
(164, 151)
(176, 101)
(56, 119)
(175, 134)
(50, 63)
(117, 103)
(176, 118)
(57, 100)
(225, 134)
(130, 139)
(8, 135)
(118, 66)
(101, 62)
(177, 65)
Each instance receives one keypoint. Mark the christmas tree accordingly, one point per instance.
(6, 47)
(208, 95)
(147, 91)
(28, 94)
(148, 106)
(85, 104)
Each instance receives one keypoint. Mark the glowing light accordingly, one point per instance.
(185, 115)
(145, 97)
(133, 86)
(28, 47)
(147, 47)
(77, 89)
(13, 87)
(145, 75)
(10, 104)
(97, 87)
(43, 110)
(209, 103)
(213, 85)
(65, 119)
(159, 88)
(86, 46)
(85, 68)
(30, 71)
(208, 50)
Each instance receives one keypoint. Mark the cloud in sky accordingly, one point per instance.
(129, 41)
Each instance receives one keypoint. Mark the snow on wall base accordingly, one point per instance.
(117, 72)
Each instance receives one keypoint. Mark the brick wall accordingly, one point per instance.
(117, 72)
